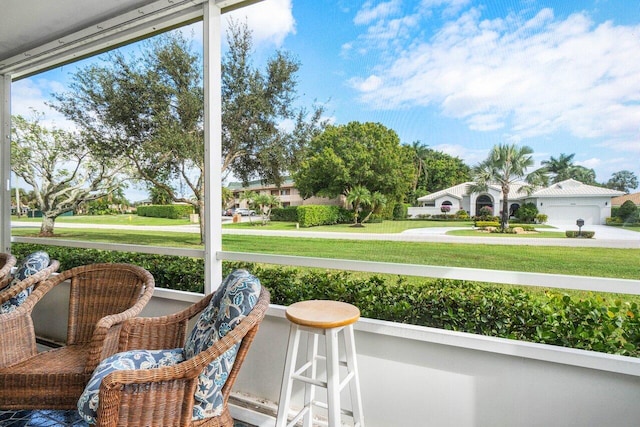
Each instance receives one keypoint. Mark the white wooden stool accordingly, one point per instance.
(328, 318)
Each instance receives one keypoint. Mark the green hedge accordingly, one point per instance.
(494, 310)
(483, 224)
(288, 214)
(313, 215)
(575, 233)
(165, 211)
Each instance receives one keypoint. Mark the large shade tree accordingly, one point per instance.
(60, 169)
(345, 157)
(147, 109)
(623, 180)
(506, 165)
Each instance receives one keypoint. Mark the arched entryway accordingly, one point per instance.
(513, 209)
(482, 201)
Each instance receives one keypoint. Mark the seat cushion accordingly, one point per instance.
(232, 302)
(30, 265)
(128, 360)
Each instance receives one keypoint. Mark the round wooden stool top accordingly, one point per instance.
(322, 313)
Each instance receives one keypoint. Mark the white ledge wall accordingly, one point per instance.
(417, 376)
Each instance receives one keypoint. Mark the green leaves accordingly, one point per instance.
(552, 317)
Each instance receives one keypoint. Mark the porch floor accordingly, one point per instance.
(49, 418)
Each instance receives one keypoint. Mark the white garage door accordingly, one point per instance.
(569, 214)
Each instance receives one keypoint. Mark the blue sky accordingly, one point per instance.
(458, 75)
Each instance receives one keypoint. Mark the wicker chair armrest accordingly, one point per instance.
(105, 338)
(7, 261)
(157, 333)
(35, 280)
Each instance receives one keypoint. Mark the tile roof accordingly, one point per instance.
(571, 187)
(618, 201)
(460, 190)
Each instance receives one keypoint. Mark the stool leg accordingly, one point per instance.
(287, 376)
(333, 377)
(354, 386)
(309, 389)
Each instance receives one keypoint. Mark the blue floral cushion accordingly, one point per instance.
(128, 360)
(30, 265)
(232, 302)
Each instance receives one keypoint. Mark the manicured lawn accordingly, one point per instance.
(109, 220)
(383, 227)
(597, 262)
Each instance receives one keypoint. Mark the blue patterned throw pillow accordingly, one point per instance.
(30, 265)
(232, 302)
(128, 360)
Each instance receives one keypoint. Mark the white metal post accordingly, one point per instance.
(212, 145)
(5, 163)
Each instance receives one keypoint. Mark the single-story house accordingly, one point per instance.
(563, 202)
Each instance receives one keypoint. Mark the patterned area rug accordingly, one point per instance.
(46, 418)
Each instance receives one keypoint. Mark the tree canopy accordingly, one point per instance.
(623, 180)
(344, 157)
(147, 109)
(60, 168)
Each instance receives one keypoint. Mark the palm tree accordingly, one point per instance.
(377, 204)
(420, 152)
(250, 197)
(506, 165)
(357, 196)
(560, 167)
(266, 202)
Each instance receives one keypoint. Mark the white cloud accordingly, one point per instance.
(369, 13)
(530, 76)
(451, 7)
(271, 20)
(369, 84)
(29, 95)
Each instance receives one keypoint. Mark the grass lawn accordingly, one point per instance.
(597, 262)
(382, 227)
(109, 220)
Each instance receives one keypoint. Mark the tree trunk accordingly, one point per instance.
(48, 224)
(504, 223)
(201, 217)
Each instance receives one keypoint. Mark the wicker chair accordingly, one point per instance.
(164, 396)
(101, 297)
(7, 261)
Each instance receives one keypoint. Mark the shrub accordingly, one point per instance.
(400, 211)
(288, 214)
(585, 234)
(494, 310)
(542, 218)
(313, 215)
(462, 214)
(628, 213)
(527, 212)
(484, 224)
(166, 211)
(485, 212)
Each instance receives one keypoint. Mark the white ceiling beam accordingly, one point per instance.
(137, 24)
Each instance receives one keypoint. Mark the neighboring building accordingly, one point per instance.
(287, 193)
(563, 202)
(618, 201)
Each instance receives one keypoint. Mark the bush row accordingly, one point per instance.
(288, 214)
(166, 211)
(576, 233)
(314, 215)
(493, 310)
